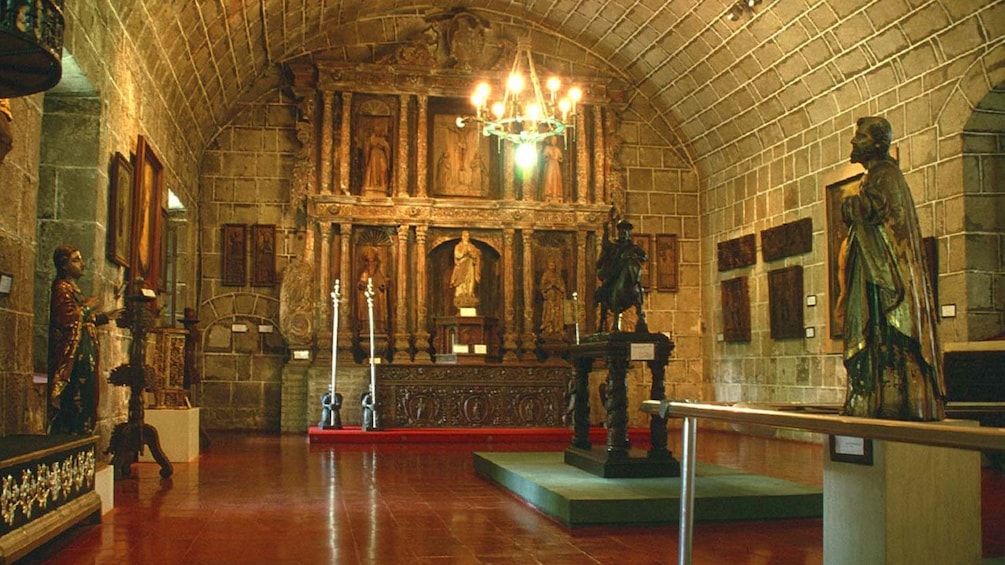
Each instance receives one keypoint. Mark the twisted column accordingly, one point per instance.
(324, 284)
(421, 149)
(401, 334)
(582, 159)
(327, 100)
(509, 308)
(345, 143)
(345, 271)
(529, 337)
(422, 320)
(401, 178)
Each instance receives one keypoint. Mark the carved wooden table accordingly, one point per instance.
(618, 350)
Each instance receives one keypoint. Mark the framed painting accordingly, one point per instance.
(645, 241)
(263, 255)
(234, 252)
(736, 253)
(785, 302)
(735, 310)
(148, 182)
(666, 264)
(836, 232)
(120, 211)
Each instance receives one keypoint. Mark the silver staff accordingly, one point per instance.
(336, 298)
(373, 366)
(575, 313)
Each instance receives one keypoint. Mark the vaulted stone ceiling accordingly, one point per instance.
(715, 87)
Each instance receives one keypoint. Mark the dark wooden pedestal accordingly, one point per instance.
(618, 460)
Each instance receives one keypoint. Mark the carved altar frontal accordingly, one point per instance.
(436, 396)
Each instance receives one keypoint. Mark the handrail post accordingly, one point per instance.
(690, 436)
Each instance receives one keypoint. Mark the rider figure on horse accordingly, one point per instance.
(620, 270)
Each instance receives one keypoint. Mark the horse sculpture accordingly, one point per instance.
(620, 270)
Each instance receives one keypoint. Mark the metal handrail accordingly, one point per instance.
(924, 433)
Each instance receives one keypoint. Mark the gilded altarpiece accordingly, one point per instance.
(393, 187)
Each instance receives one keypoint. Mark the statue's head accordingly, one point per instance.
(61, 258)
(624, 229)
(873, 136)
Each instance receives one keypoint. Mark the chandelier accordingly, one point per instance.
(527, 111)
(31, 46)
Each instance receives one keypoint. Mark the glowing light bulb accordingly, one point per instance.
(515, 83)
(553, 85)
(575, 94)
(526, 155)
(498, 109)
(533, 112)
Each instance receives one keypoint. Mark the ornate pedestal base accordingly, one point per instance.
(469, 339)
(618, 349)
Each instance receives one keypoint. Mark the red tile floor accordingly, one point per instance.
(272, 499)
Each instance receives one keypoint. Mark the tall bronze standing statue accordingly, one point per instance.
(73, 348)
(891, 344)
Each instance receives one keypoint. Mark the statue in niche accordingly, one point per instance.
(620, 270)
(467, 272)
(372, 270)
(479, 176)
(553, 290)
(377, 162)
(444, 172)
(73, 348)
(886, 303)
(553, 188)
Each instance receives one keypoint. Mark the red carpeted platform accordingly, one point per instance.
(354, 434)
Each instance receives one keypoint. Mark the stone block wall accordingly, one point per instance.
(246, 173)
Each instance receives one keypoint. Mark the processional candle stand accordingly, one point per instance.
(128, 438)
(370, 420)
(331, 402)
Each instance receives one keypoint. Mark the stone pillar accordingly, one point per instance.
(348, 284)
(345, 143)
(421, 147)
(401, 178)
(327, 99)
(401, 335)
(421, 313)
(529, 337)
(599, 155)
(324, 288)
(509, 308)
(582, 159)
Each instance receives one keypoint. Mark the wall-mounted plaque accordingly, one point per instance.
(263, 255)
(666, 262)
(786, 240)
(234, 251)
(735, 310)
(785, 292)
(736, 253)
(645, 241)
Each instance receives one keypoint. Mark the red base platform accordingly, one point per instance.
(354, 434)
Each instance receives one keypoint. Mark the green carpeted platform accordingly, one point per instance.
(577, 498)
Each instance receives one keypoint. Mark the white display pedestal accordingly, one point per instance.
(915, 504)
(104, 485)
(178, 430)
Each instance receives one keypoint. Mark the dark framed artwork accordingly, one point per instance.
(263, 255)
(786, 240)
(667, 262)
(120, 211)
(235, 255)
(785, 302)
(735, 310)
(148, 183)
(836, 232)
(736, 253)
(645, 241)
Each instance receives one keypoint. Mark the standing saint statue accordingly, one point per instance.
(377, 164)
(886, 304)
(467, 272)
(372, 270)
(73, 348)
(552, 183)
(553, 290)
